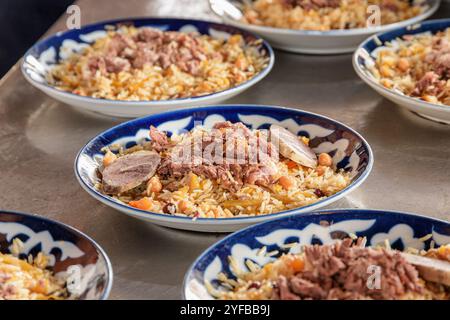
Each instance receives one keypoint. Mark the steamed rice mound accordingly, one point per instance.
(325, 15)
(138, 64)
(193, 192)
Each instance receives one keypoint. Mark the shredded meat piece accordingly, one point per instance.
(159, 140)
(224, 167)
(150, 46)
(117, 64)
(284, 290)
(428, 84)
(433, 82)
(340, 271)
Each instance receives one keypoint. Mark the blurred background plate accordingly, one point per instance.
(310, 41)
(365, 56)
(44, 54)
(66, 248)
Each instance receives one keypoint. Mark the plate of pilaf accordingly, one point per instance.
(346, 254)
(139, 66)
(321, 27)
(410, 67)
(219, 168)
(42, 259)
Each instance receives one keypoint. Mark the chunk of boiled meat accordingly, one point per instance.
(129, 171)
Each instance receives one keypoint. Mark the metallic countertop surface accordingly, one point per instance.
(40, 137)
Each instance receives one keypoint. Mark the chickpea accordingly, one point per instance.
(386, 71)
(305, 140)
(154, 185)
(325, 160)
(193, 182)
(184, 206)
(403, 64)
(241, 63)
(387, 83)
(431, 99)
(286, 182)
(321, 170)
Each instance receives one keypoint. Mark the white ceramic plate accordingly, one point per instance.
(317, 42)
(44, 54)
(348, 149)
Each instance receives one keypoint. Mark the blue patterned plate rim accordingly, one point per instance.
(167, 114)
(425, 26)
(355, 213)
(153, 21)
(102, 252)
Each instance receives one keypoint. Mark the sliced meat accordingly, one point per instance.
(291, 147)
(129, 171)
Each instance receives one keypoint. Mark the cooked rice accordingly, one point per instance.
(28, 280)
(416, 66)
(227, 63)
(198, 197)
(347, 14)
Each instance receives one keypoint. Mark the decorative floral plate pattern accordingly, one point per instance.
(72, 255)
(402, 230)
(44, 54)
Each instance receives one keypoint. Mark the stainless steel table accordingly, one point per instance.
(40, 137)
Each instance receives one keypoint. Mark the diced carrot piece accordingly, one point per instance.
(292, 164)
(444, 252)
(297, 264)
(109, 158)
(144, 204)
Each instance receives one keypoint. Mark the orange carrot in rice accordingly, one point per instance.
(144, 203)
(292, 164)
